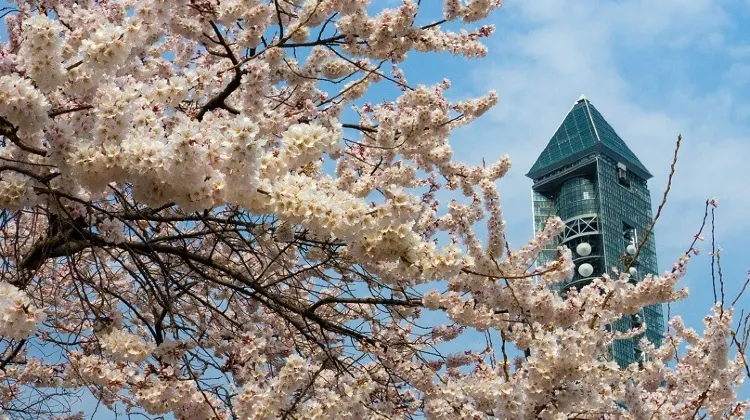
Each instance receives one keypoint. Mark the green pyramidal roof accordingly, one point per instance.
(582, 132)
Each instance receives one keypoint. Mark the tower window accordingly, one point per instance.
(628, 233)
(622, 175)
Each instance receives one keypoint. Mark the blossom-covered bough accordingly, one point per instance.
(207, 210)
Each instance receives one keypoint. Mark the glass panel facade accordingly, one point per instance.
(576, 197)
(544, 208)
(610, 139)
(628, 207)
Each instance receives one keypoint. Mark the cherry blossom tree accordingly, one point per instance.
(206, 211)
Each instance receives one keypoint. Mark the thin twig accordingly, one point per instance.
(648, 231)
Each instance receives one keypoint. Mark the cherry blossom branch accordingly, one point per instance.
(16, 349)
(62, 111)
(218, 100)
(10, 132)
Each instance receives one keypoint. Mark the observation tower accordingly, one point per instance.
(589, 177)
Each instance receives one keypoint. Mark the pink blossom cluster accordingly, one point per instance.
(19, 319)
(121, 346)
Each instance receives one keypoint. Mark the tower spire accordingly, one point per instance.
(583, 132)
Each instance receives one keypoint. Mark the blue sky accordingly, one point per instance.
(653, 68)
